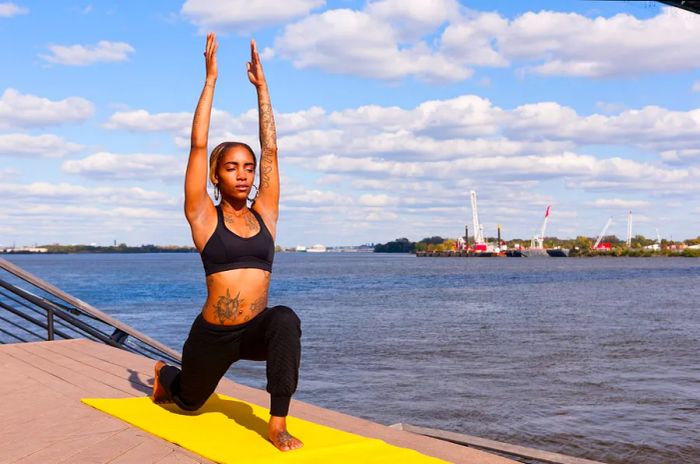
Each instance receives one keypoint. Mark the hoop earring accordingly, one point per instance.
(255, 197)
(217, 194)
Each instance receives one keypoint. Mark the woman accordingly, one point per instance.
(236, 244)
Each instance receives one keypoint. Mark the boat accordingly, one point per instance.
(558, 252)
(535, 253)
(316, 249)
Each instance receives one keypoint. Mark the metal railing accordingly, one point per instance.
(35, 310)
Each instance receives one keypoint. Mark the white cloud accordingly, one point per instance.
(463, 126)
(324, 40)
(92, 213)
(243, 16)
(649, 127)
(414, 18)
(572, 44)
(82, 55)
(25, 110)
(620, 203)
(379, 200)
(9, 9)
(64, 193)
(8, 173)
(680, 157)
(579, 171)
(106, 165)
(386, 41)
(69, 213)
(44, 146)
(143, 121)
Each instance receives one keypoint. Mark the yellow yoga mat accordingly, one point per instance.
(229, 430)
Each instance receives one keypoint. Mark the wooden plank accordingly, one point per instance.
(49, 381)
(491, 445)
(91, 359)
(179, 458)
(59, 449)
(44, 422)
(107, 449)
(69, 362)
(146, 451)
(119, 374)
(83, 383)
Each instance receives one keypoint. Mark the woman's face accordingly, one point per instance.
(236, 173)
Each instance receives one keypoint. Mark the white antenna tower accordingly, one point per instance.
(629, 229)
(478, 229)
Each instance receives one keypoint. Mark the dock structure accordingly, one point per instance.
(43, 420)
(84, 353)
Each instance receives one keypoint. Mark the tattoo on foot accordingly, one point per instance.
(283, 441)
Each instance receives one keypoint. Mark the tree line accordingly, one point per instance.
(582, 245)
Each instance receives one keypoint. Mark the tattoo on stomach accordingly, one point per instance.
(256, 307)
(227, 308)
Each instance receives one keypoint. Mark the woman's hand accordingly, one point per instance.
(255, 70)
(210, 58)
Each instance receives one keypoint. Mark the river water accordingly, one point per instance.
(591, 357)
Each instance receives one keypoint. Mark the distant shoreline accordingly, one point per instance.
(89, 249)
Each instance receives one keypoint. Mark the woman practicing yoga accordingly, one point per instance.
(236, 244)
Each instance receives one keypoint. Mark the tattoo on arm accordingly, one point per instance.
(202, 115)
(268, 133)
(268, 140)
(227, 308)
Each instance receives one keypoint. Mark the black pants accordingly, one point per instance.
(273, 336)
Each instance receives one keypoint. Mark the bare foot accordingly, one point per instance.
(277, 432)
(159, 395)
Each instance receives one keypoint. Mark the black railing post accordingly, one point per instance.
(49, 321)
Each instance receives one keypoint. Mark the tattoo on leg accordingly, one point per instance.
(226, 308)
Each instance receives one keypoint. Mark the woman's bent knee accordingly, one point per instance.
(285, 316)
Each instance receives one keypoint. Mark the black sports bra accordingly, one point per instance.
(226, 250)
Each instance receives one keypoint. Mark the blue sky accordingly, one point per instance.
(389, 112)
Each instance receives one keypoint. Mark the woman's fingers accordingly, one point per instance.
(212, 45)
(255, 58)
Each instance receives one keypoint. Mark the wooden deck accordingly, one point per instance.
(43, 420)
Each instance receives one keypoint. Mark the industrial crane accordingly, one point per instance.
(478, 228)
(602, 233)
(538, 240)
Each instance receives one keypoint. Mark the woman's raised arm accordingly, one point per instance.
(197, 200)
(267, 202)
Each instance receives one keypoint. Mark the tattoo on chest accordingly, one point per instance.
(251, 223)
(227, 308)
